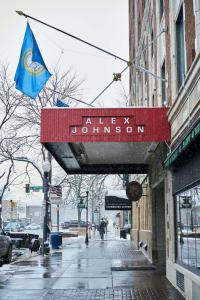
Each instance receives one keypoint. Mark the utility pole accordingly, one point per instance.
(92, 210)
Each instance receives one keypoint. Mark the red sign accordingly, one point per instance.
(104, 125)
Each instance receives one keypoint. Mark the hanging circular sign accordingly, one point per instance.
(134, 191)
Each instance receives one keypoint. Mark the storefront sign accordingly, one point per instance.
(116, 203)
(183, 145)
(107, 126)
(104, 125)
(134, 191)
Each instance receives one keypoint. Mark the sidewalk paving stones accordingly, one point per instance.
(103, 270)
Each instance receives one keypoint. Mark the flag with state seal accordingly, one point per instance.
(31, 74)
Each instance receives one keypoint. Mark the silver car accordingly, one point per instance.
(5, 248)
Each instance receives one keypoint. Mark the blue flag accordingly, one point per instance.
(32, 73)
(60, 103)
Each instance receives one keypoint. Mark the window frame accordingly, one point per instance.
(178, 260)
(180, 83)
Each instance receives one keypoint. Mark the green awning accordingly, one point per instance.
(176, 153)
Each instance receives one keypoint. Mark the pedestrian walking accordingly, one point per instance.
(106, 221)
(102, 227)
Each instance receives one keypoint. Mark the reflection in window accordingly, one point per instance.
(163, 84)
(188, 227)
(161, 9)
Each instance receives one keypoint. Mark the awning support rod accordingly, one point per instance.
(21, 13)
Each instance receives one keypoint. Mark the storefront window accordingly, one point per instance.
(188, 228)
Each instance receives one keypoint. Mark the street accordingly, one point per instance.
(109, 269)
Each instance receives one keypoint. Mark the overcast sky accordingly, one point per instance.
(101, 22)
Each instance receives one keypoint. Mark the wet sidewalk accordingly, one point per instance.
(110, 269)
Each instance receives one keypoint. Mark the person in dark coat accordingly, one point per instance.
(102, 227)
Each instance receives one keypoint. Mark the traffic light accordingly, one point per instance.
(27, 188)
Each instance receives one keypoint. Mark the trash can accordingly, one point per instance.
(122, 233)
(56, 240)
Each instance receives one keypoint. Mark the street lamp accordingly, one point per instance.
(86, 232)
(0, 215)
(99, 214)
(46, 169)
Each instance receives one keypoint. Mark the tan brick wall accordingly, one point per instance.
(142, 221)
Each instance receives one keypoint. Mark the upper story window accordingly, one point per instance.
(197, 23)
(161, 9)
(163, 84)
(153, 101)
(152, 43)
(139, 31)
(180, 48)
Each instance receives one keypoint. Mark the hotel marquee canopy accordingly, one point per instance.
(107, 140)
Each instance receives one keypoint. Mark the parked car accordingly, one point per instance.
(33, 226)
(5, 248)
(13, 226)
(83, 224)
(65, 225)
(73, 223)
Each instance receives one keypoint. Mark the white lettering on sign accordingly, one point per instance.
(100, 121)
(126, 120)
(107, 125)
(129, 129)
(84, 130)
(118, 129)
(140, 129)
(88, 121)
(106, 129)
(113, 120)
(74, 130)
(95, 129)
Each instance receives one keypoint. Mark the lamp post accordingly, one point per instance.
(86, 232)
(46, 169)
(99, 214)
(1, 216)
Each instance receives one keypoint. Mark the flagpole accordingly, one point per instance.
(116, 78)
(21, 13)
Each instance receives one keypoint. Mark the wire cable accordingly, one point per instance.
(21, 13)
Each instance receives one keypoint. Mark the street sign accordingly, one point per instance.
(36, 188)
(55, 194)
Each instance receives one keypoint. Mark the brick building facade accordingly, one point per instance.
(164, 51)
